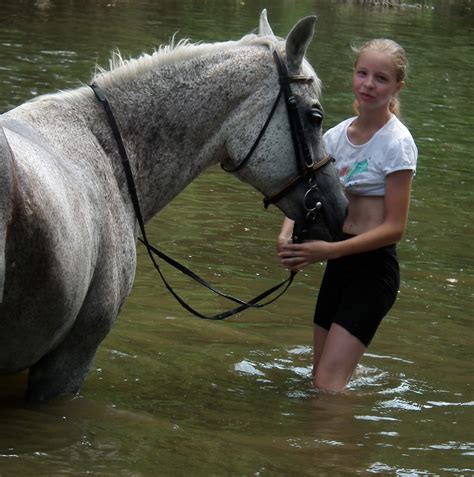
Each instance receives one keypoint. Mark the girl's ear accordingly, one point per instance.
(400, 86)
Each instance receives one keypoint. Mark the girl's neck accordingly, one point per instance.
(366, 125)
(373, 120)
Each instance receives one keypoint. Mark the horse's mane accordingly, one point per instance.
(122, 70)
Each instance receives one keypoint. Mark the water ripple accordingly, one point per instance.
(406, 385)
(247, 367)
(399, 403)
(376, 418)
(445, 404)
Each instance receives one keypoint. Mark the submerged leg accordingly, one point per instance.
(338, 359)
(65, 368)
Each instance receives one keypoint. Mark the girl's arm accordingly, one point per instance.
(396, 205)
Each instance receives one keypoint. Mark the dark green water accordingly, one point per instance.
(173, 395)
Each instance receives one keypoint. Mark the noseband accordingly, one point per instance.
(307, 168)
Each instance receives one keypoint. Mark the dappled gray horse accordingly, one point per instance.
(67, 225)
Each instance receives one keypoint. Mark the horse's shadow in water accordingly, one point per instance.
(29, 428)
(64, 426)
(68, 228)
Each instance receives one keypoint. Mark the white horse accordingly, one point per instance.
(67, 225)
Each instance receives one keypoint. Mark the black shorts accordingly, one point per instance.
(358, 290)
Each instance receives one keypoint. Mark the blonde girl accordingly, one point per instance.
(376, 158)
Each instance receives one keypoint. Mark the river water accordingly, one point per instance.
(170, 394)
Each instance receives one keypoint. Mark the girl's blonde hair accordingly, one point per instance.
(399, 59)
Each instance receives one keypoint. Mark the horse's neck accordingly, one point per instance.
(171, 119)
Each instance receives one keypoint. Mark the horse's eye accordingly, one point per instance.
(315, 117)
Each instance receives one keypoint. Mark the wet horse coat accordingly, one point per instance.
(67, 225)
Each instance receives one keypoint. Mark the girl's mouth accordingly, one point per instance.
(366, 97)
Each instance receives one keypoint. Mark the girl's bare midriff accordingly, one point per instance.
(365, 213)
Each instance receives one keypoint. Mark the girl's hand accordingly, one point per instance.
(296, 256)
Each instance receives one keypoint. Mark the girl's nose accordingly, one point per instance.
(369, 82)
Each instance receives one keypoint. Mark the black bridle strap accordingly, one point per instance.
(254, 303)
(302, 151)
(259, 137)
(294, 182)
(293, 116)
(304, 159)
(186, 271)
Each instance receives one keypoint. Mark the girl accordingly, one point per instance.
(376, 159)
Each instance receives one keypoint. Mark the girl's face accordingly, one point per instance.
(374, 81)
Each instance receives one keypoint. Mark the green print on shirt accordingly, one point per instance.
(357, 168)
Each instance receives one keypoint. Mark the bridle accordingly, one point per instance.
(307, 167)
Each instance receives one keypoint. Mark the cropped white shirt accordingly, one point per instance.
(363, 168)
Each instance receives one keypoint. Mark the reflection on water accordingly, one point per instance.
(172, 395)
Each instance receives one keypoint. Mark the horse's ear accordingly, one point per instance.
(264, 27)
(298, 41)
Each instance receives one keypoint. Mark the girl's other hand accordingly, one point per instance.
(296, 256)
(282, 241)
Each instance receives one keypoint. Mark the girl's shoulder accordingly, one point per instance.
(397, 135)
(400, 151)
(397, 130)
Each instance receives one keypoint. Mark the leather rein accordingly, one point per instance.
(306, 166)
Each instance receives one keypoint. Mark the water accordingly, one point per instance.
(173, 395)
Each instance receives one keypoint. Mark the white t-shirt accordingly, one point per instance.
(363, 168)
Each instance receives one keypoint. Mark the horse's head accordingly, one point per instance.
(280, 149)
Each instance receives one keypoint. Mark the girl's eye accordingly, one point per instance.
(384, 79)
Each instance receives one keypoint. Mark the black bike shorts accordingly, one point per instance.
(357, 291)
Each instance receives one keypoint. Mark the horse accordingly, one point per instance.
(68, 228)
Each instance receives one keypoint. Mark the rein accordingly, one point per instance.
(152, 251)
